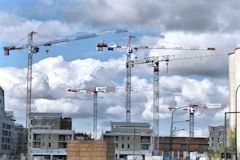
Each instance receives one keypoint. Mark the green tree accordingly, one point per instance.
(232, 138)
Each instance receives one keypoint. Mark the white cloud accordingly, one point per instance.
(52, 76)
(115, 110)
(219, 116)
(60, 105)
(17, 29)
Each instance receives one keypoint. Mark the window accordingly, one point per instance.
(122, 145)
(175, 153)
(128, 146)
(184, 146)
(167, 146)
(116, 138)
(49, 144)
(128, 138)
(181, 154)
(144, 146)
(122, 138)
(145, 139)
(116, 145)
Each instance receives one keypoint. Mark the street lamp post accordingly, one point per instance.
(171, 127)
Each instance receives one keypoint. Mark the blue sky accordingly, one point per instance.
(77, 64)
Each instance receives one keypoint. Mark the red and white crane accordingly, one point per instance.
(155, 62)
(34, 48)
(191, 110)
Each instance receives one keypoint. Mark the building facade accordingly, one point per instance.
(7, 131)
(216, 138)
(20, 141)
(130, 139)
(182, 147)
(48, 136)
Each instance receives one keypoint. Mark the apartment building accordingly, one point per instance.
(130, 139)
(216, 137)
(20, 141)
(6, 130)
(48, 136)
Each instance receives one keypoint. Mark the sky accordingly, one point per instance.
(77, 64)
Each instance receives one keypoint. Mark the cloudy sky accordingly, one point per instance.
(179, 23)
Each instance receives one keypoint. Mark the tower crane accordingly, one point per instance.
(191, 110)
(34, 48)
(155, 62)
(95, 91)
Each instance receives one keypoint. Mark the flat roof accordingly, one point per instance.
(45, 114)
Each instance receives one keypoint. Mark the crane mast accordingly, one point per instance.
(156, 108)
(29, 76)
(191, 109)
(128, 81)
(95, 91)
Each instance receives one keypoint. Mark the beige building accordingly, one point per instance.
(90, 150)
(234, 93)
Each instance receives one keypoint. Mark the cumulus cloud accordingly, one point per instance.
(52, 76)
(116, 110)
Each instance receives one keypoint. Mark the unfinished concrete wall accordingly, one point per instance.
(90, 150)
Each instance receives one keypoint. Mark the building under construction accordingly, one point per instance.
(132, 138)
(48, 136)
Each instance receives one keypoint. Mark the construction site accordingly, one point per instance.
(50, 135)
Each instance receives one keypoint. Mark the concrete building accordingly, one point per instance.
(130, 139)
(82, 136)
(90, 150)
(20, 143)
(48, 136)
(183, 146)
(216, 137)
(234, 96)
(6, 129)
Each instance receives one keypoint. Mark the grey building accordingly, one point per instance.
(6, 129)
(20, 141)
(130, 139)
(48, 136)
(216, 137)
